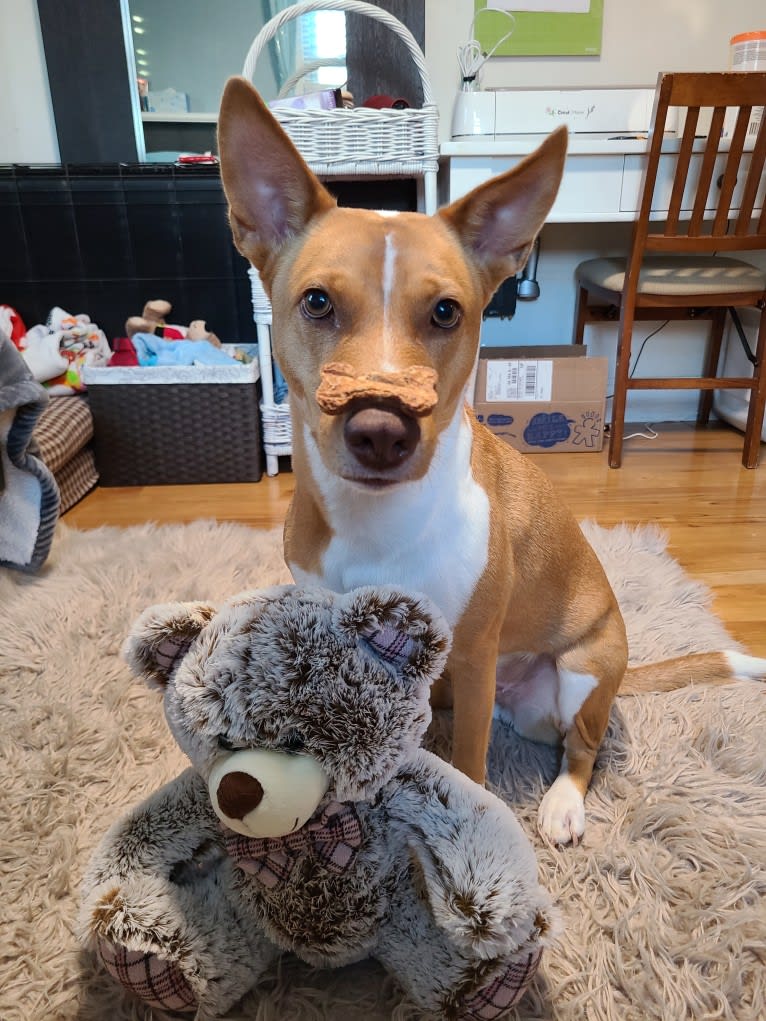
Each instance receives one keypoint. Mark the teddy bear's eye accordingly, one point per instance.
(292, 742)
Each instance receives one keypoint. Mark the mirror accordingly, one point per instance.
(185, 52)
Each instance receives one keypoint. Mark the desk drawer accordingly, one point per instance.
(590, 190)
(633, 176)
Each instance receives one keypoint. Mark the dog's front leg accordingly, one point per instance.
(472, 667)
(589, 677)
(561, 817)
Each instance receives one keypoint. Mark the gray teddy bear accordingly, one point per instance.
(312, 821)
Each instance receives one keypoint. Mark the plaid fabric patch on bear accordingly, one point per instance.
(393, 646)
(503, 991)
(333, 836)
(158, 982)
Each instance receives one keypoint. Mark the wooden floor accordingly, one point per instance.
(689, 481)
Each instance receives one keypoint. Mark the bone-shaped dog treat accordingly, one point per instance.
(413, 389)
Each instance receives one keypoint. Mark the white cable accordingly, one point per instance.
(470, 57)
(650, 434)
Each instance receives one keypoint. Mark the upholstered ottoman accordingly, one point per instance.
(62, 441)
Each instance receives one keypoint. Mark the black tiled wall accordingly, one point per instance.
(105, 239)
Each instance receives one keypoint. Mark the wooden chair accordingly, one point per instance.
(716, 206)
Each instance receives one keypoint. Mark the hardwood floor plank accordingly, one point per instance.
(689, 481)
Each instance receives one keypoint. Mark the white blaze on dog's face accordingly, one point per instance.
(386, 293)
(373, 293)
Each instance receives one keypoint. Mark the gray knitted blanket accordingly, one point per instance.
(29, 496)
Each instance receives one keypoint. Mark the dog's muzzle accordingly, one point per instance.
(381, 428)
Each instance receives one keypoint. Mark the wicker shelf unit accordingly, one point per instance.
(344, 144)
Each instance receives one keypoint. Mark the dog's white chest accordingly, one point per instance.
(429, 536)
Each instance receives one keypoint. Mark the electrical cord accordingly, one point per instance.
(641, 351)
(651, 433)
(470, 56)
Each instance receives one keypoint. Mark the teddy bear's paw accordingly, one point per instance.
(204, 861)
(502, 991)
(157, 981)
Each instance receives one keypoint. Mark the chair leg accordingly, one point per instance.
(621, 375)
(711, 364)
(754, 427)
(581, 316)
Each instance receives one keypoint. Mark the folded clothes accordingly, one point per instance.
(12, 325)
(42, 353)
(56, 351)
(123, 352)
(152, 350)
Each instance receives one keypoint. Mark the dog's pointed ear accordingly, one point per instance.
(497, 223)
(161, 637)
(271, 192)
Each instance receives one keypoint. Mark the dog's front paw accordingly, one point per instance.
(561, 816)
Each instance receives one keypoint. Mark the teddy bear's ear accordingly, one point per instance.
(404, 630)
(161, 636)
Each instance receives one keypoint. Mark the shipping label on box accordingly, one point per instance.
(542, 398)
(519, 380)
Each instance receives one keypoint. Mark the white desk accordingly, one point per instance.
(601, 183)
(602, 175)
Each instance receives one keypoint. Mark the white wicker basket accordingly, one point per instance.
(261, 303)
(360, 140)
(275, 418)
(357, 142)
(277, 429)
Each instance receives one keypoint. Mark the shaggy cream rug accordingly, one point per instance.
(663, 901)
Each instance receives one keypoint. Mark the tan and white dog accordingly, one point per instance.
(376, 321)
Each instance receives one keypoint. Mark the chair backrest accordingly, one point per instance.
(718, 179)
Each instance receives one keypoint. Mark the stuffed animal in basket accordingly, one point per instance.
(312, 821)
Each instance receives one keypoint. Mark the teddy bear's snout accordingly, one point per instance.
(239, 794)
(264, 793)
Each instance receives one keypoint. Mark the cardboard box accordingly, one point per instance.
(540, 399)
(167, 101)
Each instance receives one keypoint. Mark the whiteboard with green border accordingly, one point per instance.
(566, 28)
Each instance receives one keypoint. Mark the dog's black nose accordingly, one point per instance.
(381, 438)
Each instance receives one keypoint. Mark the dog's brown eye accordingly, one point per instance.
(446, 313)
(316, 303)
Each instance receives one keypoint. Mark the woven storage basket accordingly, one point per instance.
(187, 431)
(354, 142)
